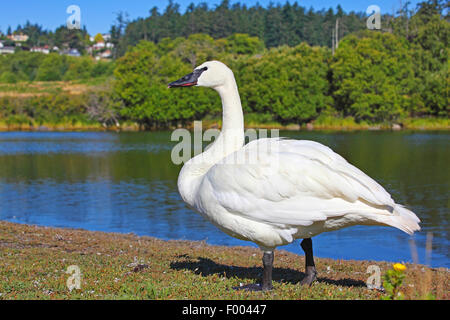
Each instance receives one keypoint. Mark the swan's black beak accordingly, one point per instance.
(188, 80)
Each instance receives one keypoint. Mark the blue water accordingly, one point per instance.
(125, 182)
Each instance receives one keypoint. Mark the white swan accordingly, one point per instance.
(292, 189)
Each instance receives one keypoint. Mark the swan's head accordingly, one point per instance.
(210, 74)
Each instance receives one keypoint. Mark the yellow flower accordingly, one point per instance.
(399, 267)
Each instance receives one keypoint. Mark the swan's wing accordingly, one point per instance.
(367, 189)
(291, 182)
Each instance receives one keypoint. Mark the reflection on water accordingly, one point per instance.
(126, 182)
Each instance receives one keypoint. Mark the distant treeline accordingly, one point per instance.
(276, 25)
(373, 76)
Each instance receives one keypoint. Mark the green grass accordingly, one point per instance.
(427, 123)
(34, 261)
(33, 88)
(98, 81)
(349, 123)
(21, 89)
(23, 123)
(339, 124)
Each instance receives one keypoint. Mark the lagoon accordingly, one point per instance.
(125, 182)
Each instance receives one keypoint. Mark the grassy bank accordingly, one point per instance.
(328, 123)
(34, 261)
(73, 125)
(337, 124)
(40, 88)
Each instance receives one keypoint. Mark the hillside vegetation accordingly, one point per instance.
(374, 77)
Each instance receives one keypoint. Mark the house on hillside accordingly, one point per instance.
(71, 53)
(20, 37)
(45, 49)
(104, 55)
(106, 37)
(99, 46)
(6, 49)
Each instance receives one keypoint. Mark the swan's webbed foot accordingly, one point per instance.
(310, 277)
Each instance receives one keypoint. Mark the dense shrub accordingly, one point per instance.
(35, 66)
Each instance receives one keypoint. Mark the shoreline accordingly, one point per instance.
(126, 266)
(207, 124)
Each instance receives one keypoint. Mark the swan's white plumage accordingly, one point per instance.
(295, 187)
(272, 191)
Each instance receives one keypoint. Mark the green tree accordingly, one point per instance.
(141, 83)
(23, 65)
(79, 68)
(288, 83)
(99, 38)
(70, 38)
(373, 76)
(242, 44)
(196, 49)
(431, 51)
(52, 68)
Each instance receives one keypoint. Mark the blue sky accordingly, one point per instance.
(98, 15)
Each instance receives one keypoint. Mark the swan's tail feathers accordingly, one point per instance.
(404, 219)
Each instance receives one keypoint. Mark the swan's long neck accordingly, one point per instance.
(230, 140)
(233, 118)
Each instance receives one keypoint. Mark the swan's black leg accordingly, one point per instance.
(266, 278)
(310, 268)
(267, 272)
